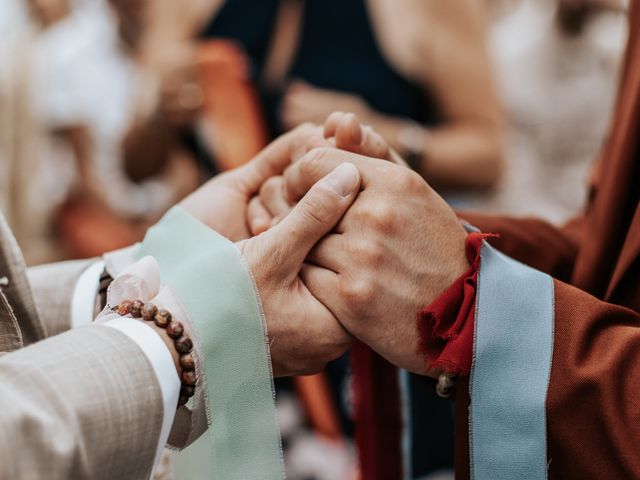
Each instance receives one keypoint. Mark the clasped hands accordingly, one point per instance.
(342, 241)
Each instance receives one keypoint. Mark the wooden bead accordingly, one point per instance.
(135, 309)
(149, 311)
(187, 362)
(123, 308)
(183, 345)
(175, 329)
(187, 390)
(182, 400)
(188, 377)
(162, 318)
(445, 386)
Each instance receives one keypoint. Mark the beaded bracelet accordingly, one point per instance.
(163, 319)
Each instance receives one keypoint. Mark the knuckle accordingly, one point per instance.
(271, 186)
(381, 217)
(313, 161)
(316, 212)
(409, 181)
(359, 293)
(374, 254)
(386, 219)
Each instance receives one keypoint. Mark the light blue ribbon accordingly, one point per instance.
(510, 375)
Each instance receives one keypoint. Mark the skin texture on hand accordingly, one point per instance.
(221, 203)
(303, 333)
(394, 251)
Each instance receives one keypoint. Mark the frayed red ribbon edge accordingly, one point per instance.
(446, 326)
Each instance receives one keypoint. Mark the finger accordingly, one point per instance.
(373, 145)
(351, 135)
(330, 253)
(272, 197)
(313, 139)
(275, 157)
(331, 124)
(323, 284)
(395, 157)
(258, 217)
(313, 217)
(300, 176)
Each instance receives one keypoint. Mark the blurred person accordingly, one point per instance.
(22, 139)
(13, 17)
(557, 64)
(88, 91)
(418, 72)
(116, 76)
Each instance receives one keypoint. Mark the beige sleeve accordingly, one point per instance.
(83, 404)
(53, 286)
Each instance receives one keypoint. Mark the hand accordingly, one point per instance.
(221, 203)
(303, 334)
(303, 102)
(396, 249)
(342, 131)
(181, 97)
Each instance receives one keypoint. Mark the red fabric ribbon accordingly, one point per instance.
(377, 415)
(446, 326)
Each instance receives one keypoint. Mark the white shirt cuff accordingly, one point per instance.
(84, 295)
(160, 358)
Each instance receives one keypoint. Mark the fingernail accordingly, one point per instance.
(343, 179)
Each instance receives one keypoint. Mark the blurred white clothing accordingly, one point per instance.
(559, 92)
(82, 75)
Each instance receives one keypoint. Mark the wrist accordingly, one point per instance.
(446, 325)
(405, 136)
(173, 334)
(168, 341)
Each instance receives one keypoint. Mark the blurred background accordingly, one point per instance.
(113, 110)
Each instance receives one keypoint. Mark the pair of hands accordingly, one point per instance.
(329, 266)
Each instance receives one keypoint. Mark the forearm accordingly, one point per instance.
(456, 155)
(463, 157)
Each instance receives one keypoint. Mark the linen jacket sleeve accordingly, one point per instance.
(53, 286)
(83, 404)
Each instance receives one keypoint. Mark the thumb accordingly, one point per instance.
(314, 216)
(278, 155)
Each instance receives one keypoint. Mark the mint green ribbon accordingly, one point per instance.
(212, 281)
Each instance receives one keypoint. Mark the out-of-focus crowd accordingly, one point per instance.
(112, 110)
